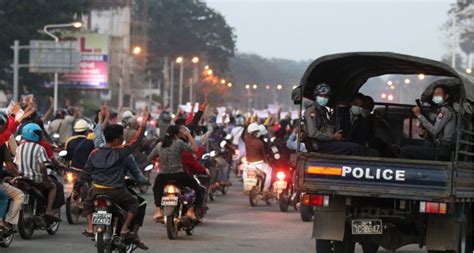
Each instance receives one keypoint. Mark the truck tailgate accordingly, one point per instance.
(375, 177)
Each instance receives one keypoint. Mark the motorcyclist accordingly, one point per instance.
(256, 154)
(81, 130)
(442, 130)
(106, 168)
(319, 131)
(171, 168)
(31, 159)
(62, 124)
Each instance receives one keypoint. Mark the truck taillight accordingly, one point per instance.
(433, 207)
(315, 200)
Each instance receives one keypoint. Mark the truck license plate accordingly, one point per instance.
(102, 218)
(169, 201)
(367, 227)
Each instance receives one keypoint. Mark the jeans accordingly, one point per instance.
(17, 197)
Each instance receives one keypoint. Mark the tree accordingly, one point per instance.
(21, 20)
(463, 12)
(189, 28)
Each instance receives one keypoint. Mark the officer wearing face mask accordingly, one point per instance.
(440, 125)
(360, 129)
(320, 134)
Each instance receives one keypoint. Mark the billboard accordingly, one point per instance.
(94, 67)
(54, 57)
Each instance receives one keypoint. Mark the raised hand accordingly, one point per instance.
(146, 115)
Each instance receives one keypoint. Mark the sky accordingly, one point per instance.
(308, 29)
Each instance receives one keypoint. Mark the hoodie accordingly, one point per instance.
(108, 166)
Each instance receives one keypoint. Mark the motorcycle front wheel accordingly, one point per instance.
(5, 243)
(253, 196)
(172, 226)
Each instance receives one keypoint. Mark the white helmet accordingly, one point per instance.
(253, 127)
(262, 130)
(127, 114)
(81, 126)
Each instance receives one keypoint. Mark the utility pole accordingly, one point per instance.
(172, 88)
(16, 68)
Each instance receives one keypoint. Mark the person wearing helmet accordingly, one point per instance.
(81, 130)
(256, 154)
(321, 135)
(31, 159)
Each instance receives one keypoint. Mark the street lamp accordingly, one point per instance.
(56, 39)
(137, 50)
(247, 86)
(209, 72)
(255, 86)
(389, 83)
(407, 81)
(469, 70)
(267, 86)
(223, 81)
(195, 59)
(229, 85)
(279, 87)
(421, 76)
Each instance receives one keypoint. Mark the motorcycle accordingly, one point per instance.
(255, 181)
(32, 214)
(176, 202)
(107, 219)
(74, 204)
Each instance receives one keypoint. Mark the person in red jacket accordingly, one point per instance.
(190, 162)
(8, 129)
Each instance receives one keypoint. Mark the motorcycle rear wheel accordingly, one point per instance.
(171, 226)
(253, 196)
(26, 227)
(283, 201)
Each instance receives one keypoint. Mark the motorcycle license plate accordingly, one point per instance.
(251, 181)
(101, 218)
(26, 200)
(367, 227)
(280, 185)
(68, 189)
(169, 201)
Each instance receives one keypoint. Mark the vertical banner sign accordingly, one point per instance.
(94, 69)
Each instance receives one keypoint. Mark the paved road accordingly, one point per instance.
(231, 226)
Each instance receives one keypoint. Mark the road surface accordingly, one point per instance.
(231, 226)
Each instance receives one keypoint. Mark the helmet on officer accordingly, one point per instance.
(322, 93)
(32, 132)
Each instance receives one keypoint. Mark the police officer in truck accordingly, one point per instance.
(440, 126)
(320, 134)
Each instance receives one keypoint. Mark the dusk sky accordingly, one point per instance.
(307, 29)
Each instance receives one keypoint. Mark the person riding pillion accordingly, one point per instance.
(106, 168)
(320, 132)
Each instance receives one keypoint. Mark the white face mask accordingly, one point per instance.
(356, 110)
(437, 100)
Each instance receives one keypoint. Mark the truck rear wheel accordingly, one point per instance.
(323, 246)
(465, 242)
(347, 245)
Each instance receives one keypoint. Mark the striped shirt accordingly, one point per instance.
(29, 156)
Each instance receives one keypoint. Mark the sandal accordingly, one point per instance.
(87, 234)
